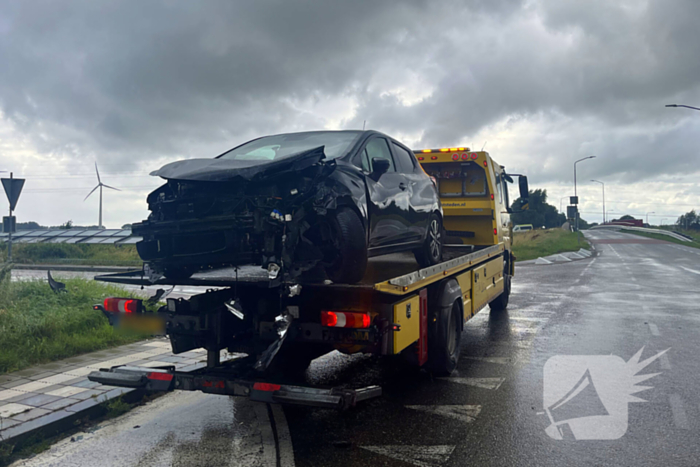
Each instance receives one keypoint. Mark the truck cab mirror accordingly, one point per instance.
(524, 189)
(380, 166)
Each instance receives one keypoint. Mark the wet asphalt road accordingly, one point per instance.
(638, 293)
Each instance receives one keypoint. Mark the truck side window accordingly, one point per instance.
(404, 159)
(499, 182)
(379, 148)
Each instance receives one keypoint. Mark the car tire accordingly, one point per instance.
(444, 347)
(430, 253)
(351, 254)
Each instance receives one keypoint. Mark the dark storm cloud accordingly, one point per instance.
(136, 81)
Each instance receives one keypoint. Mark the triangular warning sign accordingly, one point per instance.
(422, 456)
(463, 413)
(13, 188)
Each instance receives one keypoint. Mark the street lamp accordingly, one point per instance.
(575, 191)
(681, 105)
(652, 212)
(603, 184)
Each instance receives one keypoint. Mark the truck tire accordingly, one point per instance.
(430, 252)
(351, 248)
(443, 348)
(501, 302)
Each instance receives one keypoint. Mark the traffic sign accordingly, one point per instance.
(9, 224)
(13, 188)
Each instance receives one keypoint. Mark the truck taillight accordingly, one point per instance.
(122, 305)
(495, 231)
(345, 319)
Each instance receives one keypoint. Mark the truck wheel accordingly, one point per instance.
(443, 348)
(350, 247)
(430, 252)
(501, 302)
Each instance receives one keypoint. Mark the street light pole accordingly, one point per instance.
(652, 212)
(575, 191)
(603, 184)
(681, 105)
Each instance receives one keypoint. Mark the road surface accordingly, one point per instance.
(505, 404)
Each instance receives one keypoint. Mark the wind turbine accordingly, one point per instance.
(100, 185)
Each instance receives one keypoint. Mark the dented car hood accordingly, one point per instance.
(229, 169)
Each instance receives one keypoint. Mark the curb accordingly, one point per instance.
(560, 258)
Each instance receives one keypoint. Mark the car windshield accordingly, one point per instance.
(268, 148)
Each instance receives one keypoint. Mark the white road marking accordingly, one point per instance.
(665, 363)
(463, 413)
(654, 329)
(284, 438)
(690, 270)
(679, 416)
(484, 383)
(498, 360)
(422, 456)
(268, 455)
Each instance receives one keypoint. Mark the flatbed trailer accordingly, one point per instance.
(396, 311)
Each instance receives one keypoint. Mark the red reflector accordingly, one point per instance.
(465, 157)
(455, 157)
(492, 197)
(160, 376)
(266, 387)
(421, 158)
(345, 319)
(474, 156)
(329, 318)
(434, 158)
(484, 163)
(495, 231)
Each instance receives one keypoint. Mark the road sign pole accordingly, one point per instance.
(13, 188)
(9, 241)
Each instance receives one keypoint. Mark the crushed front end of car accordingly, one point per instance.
(216, 213)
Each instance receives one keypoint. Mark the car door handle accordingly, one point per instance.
(402, 185)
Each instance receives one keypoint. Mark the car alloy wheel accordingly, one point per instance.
(435, 238)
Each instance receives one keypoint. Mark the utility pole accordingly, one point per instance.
(575, 191)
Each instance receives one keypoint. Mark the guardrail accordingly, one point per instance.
(682, 238)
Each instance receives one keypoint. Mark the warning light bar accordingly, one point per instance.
(123, 305)
(345, 319)
(427, 151)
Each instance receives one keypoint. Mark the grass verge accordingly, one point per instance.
(38, 325)
(695, 243)
(66, 253)
(537, 243)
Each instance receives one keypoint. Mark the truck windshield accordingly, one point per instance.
(268, 148)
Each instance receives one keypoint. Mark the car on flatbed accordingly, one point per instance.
(293, 203)
(398, 309)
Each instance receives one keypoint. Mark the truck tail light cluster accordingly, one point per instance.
(122, 305)
(345, 319)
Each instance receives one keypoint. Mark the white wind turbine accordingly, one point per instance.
(100, 185)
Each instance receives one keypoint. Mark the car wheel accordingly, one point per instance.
(430, 252)
(350, 245)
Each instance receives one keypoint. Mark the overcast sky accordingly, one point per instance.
(133, 85)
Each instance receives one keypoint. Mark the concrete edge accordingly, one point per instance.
(62, 421)
(543, 261)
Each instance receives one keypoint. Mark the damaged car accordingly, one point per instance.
(293, 203)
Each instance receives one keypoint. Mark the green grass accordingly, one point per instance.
(38, 325)
(537, 243)
(666, 238)
(66, 253)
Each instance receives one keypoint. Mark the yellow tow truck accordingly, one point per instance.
(397, 309)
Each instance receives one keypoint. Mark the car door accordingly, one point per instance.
(419, 192)
(387, 200)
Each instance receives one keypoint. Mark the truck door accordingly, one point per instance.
(388, 201)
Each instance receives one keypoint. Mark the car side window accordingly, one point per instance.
(404, 159)
(379, 148)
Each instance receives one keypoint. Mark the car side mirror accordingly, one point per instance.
(524, 189)
(380, 166)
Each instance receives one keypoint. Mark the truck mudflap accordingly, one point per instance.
(168, 379)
